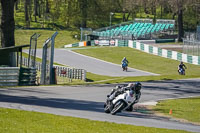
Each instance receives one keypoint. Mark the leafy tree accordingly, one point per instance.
(27, 6)
(179, 7)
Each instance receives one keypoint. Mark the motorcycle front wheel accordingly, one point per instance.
(119, 106)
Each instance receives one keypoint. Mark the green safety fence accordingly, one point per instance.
(189, 59)
(142, 46)
(151, 49)
(179, 56)
(159, 51)
(134, 44)
(169, 54)
(75, 45)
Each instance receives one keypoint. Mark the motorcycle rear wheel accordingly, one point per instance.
(107, 109)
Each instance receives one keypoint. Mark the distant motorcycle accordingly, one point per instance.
(123, 101)
(124, 66)
(181, 71)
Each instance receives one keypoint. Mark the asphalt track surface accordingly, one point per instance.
(93, 65)
(87, 102)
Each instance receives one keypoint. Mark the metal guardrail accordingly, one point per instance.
(27, 76)
(9, 76)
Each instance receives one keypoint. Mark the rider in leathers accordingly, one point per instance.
(182, 66)
(132, 87)
(124, 62)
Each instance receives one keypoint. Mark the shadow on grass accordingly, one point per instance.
(89, 80)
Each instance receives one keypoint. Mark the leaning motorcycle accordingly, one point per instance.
(123, 101)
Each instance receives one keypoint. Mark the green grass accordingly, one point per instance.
(167, 68)
(64, 37)
(187, 108)
(91, 77)
(143, 61)
(17, 121)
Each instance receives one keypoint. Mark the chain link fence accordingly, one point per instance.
(191, 43)
(32, 50)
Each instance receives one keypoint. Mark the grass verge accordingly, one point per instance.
(17, 121)
(185, 108)
(64, 37)
(167, 68)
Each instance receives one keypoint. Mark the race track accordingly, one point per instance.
(93, 65)
(87, 102)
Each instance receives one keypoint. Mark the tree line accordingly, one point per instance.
(94, 13)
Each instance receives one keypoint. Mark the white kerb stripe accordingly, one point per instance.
(195, 60)
(164, 53)
(155, 50)
(116, 43)
(174, 55)
(138, 45)
(81, 44)
(184, 57)
(146, 48)
(130, 43)
(68, 46)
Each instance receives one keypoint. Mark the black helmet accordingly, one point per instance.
(137, 86)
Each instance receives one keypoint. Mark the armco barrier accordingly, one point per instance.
(79, 44)
(9, 76)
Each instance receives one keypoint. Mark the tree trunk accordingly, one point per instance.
(145, 6)
(8, 28)
(173, 16)
(7, 23)
(180, 25)
(39, 10)
(83, 8)
(47, 7)
(35, 9)
(27, 19)
(161, 12)
(124, 17)
(129, 13)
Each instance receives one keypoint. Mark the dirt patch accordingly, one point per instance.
(148, 110)
(142, 109)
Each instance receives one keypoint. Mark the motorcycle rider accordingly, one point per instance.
(182, 67)
(124, 62)
(135, 88)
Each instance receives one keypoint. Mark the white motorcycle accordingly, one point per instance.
(122, 102)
